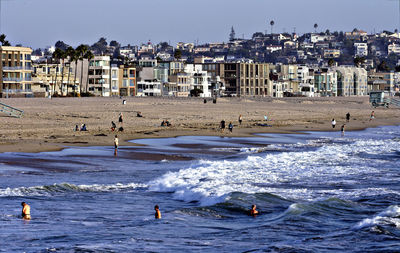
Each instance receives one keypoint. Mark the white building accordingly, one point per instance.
(361, 49)
(103, 78)
(394, 48)
(351, 81)
(199, 79)
(148, 84)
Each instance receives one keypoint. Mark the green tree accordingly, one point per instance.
(383, 67)
(57, 55)
(315, 27)
(358, 61)
(272, 23)
(331, 62)
(3, 40)
(178, 54)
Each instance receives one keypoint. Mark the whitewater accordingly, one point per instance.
(316, 192)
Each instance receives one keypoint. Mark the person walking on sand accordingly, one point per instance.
(343, 128)
(333, 123)
(253, 211)
(240, 119)
(26, 211)
(230, 126)
(348, 117)
(372, 116)
(222, 126)
(120, 119)
(157, 214)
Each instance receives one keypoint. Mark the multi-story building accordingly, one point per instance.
(103, 78)
(394, 48)
(178, 85)
(50, 79)
(147, 84)
(331, 53)
(199, 79)
(127, 80)
(382, 81)
(351, 81)
(15, 71)
(325, 82)
(361, 49)
(254, 79)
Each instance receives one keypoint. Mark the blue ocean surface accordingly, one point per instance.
(316, 192)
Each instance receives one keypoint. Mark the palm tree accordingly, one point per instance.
(89, 56)
(75, 58)
(3, 40)
(315, 27)
(57, 56)
(63, 56)
(272, 23)
(71, 54)
(81, 49)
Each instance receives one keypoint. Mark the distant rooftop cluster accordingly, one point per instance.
(276, 65)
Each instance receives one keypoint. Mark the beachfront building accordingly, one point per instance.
(15, 71)
(199, 79)
(325, 82)
(351, 81)
(147, 83)
(394, 48)
(254, 79)
(178, 85)
(103, 78)
(53, 79)
(127, 80)
(381, 81)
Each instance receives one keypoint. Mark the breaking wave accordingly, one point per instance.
(323, 171)
(46, 190)
(388, 217)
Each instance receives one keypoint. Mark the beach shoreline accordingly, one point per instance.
(47, 124)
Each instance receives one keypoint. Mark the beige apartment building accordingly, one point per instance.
(15, 71)
(127, 80)
(254, 79)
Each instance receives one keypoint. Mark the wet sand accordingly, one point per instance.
(48, 124)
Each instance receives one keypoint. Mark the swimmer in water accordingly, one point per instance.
(157, 215)
(26, 211)
(253, 211)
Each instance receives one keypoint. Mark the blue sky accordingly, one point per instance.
(40, 23)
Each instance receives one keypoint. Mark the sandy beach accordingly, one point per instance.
(48, 124)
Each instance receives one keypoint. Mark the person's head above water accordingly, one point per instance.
(156, 207)
(253, 206)
(23, 203)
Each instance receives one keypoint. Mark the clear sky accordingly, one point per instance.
(40, 23)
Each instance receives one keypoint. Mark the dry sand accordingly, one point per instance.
(48, 124)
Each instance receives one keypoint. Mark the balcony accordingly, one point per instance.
(5, 79)
(16, 91)
(6, 68)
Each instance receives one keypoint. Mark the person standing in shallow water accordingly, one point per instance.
(26, 211)
(116, 144)
(157, 214)
(343, 128)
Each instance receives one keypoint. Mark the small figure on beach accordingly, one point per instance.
(116, 142)
(113, 126)
(222, 126)
(240, 119)
(116, 145)
(343, 128)
(230, 127)
(165, 123)
(76, 128)
(253, 211)
(139, 114)
(157, 214)
(83, 127)
(265, 117)
(120, 119)
(333, 123)
(372, 116)
(348, 117)
(120, 129)
(26, 211)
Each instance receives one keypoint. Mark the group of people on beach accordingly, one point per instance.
(343, 127)
(26, 211)
(82, 128)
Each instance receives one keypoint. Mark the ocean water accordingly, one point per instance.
(316, 192)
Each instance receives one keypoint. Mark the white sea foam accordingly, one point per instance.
(210, 182)
(390, 216)
(46, 190)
